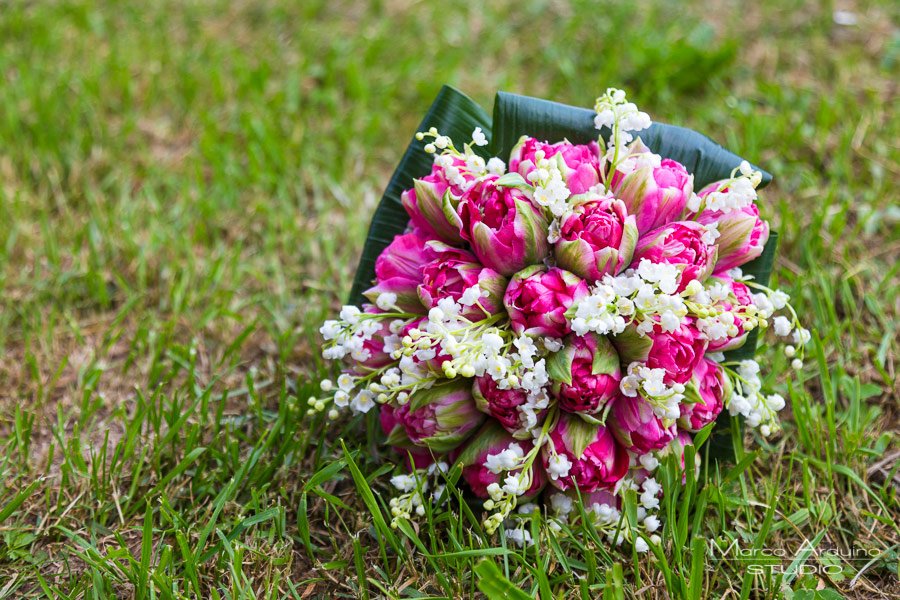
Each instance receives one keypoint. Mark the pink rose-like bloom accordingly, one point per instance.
(445, 415)
(507, 232)
(420, 459)
(597, 460)
(655, 195)
(680, 244)
(739, 296)
(425, 202)
(452, 272)
(597, 237)
(502, 405)
(579, 164)
(635, 426)
(590, 372)
(705, 396)
(493, 439)
(676, 352)
(538, 297)
(398, 271)
(742, 235)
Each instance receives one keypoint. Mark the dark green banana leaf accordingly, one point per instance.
(455, 115)
(515, 116)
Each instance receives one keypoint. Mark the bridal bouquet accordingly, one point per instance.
(558, 320)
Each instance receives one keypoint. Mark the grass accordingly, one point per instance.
(185, 189)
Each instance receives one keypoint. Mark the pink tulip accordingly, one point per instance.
(493, 439)
(502, 405)
(635, 426)
(507, 232)
(705, 396)
(414, 457)
(585, 373)
(439, 418)
(452, 272)
(655, 196)
(742, 235)
(597, 461)
(597, 238)
(538, 297)
(680, 244)
(677, 353)
(740, 296)
(398, 271)
(426, 202)
(579, 164)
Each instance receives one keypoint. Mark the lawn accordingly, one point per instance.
(185, 188)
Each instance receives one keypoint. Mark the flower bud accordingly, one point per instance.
(453, 271)
(578, 164)
(397, 271)
(433, 197)
(676, 352)
(742, 235)
(503, 405)
(738, 295)
(681, 244)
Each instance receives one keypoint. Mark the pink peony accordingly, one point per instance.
(502, 405)
(441, 417)
(739, 295)
(596, 238)
(414, 457)
(538, 297)
(676, 352)
(507, 232)
(742, 235)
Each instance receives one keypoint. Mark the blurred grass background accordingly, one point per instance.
(184, 191)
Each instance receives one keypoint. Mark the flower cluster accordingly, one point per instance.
(559, 327)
